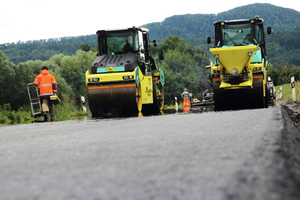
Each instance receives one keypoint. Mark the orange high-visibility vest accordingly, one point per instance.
(46, 83)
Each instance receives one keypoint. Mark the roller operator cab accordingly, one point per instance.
(124, 79)
(239, 72)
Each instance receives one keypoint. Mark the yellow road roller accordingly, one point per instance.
(124, 79)
(239, 71)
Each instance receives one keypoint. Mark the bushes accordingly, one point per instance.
(183, 67)
(9, 116)
(67, 110)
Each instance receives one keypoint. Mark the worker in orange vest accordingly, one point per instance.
(186, 100)
(47, 87)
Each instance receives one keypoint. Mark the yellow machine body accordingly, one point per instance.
(234, 60)
(124, 80)
(129, 96)
(239, 72)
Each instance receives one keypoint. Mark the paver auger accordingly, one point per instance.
(239, 74)
(124, 79)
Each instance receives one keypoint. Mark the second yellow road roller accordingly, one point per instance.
(124, 79)
(239, 73)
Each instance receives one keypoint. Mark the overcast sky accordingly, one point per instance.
(23, 20)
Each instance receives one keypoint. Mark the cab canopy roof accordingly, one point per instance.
(123, 30)
(241, 21)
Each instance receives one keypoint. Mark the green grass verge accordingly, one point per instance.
(287, 91)
(66, 111)
(173, 106)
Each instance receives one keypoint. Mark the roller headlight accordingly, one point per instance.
(128, 77)
(249, 54)
(93, 79)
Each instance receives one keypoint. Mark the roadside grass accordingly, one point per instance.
(287, 91)
(67, 110)
(173, 106)
(9, 116)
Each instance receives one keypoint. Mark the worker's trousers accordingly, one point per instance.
(47, 106)
(186, 102)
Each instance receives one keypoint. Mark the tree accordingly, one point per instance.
(183, 66)
(56, 59)
(295, 72)
(23, 76)
(7, 80)
(85, 47)
(73, 70)
(283, 72)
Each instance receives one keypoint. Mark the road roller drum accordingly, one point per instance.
(115, 100)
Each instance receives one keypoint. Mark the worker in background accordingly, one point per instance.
(47, 87)
(185, 94)
(186, 100)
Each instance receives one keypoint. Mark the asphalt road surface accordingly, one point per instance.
(210, 156)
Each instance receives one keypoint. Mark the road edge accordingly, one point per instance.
(290, 144)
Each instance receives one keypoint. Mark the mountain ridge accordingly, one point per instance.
(201, 25)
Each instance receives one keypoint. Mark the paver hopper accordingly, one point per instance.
(239, 72)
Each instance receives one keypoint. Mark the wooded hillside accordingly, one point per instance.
(201, 25)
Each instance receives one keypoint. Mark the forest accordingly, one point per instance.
(182, 38)
(201, 25)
